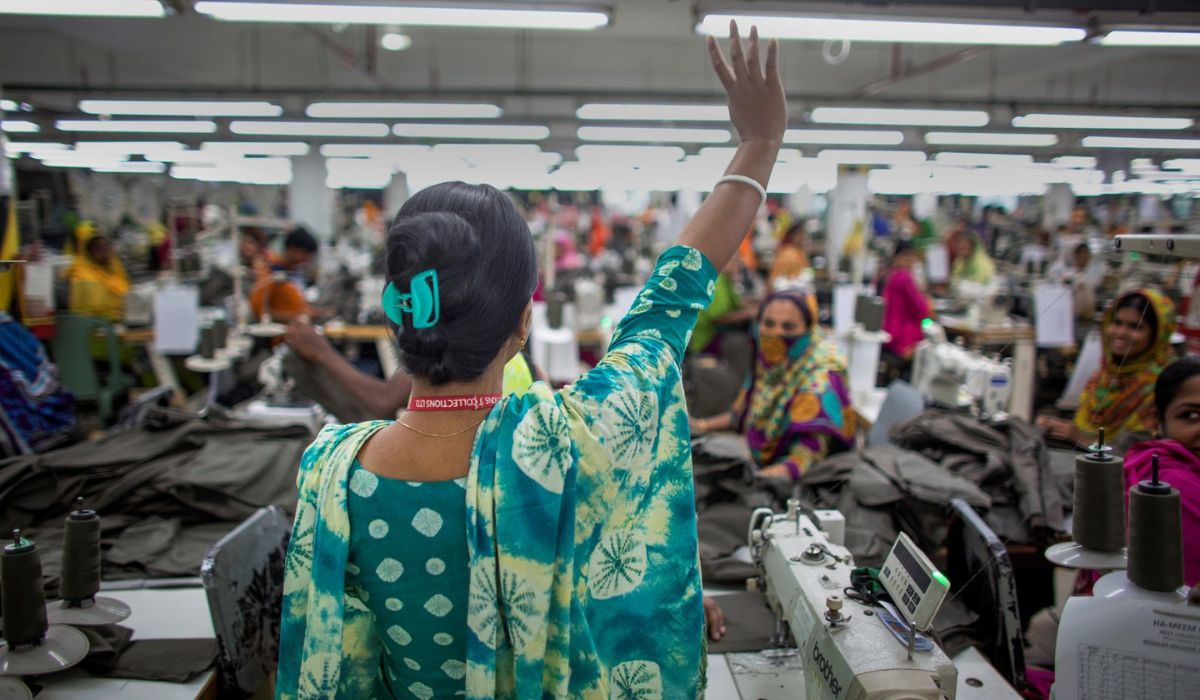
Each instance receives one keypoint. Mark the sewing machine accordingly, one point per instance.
(952, 375)
(841, 649)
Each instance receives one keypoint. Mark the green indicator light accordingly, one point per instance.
(941, 578)
(927, 323)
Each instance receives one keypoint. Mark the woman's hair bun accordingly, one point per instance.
(479, 245)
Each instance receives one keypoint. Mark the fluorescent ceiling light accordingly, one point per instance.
(127, 147)
(373, 150)
(653, 134)
(1191, 165)
(9, 106)
(257, 148)
(19, 126)
(180, 108)
(872, 157)
(725, 153)
(845, 137)
(899, 117)
(83, 8)
(984, 159)
(629, 154)
(1099, 121)
(402, 110)
(339, 129)
(508, 132)
(1076, 161)
(973, 138)
(1129, 37)
(32, 147)
(1131, 142)
(891, 31)
(137, 127)
(486, 17)
(135, 167)
(654, 112)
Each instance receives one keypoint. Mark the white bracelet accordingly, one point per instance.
(762, 191)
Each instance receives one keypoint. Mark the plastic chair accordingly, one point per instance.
(243, 579)
(72, 349)
(902, 402)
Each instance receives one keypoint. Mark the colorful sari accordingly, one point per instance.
(580, 526)
(1120, 395)
(796, 407)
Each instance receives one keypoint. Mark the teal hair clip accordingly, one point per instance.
(422, 303)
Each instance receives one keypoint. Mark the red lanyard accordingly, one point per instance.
(470, 402)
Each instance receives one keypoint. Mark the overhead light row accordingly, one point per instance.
(490, 16)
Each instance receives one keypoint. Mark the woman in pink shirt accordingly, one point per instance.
(904, 305)
(1177, 399)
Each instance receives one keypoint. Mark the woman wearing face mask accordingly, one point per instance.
(796, 409)
(1119, 397)
(1177, 401)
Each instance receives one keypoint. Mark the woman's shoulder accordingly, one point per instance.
(334, 437)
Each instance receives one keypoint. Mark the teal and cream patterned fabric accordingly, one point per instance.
(584, 577)
(408, 565)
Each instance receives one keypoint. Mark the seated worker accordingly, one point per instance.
(791, 257)
(904, 305)
(1119, 397)
(1177, 402)
(796, 409)
(98, 283)
(726, 309)
(283, 299)
(382, 399)
(252, 247)
(971, 261)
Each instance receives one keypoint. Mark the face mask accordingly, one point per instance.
(774, 350)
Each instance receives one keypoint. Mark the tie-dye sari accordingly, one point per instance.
(580, 524)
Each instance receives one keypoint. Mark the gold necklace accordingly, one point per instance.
(418, 431)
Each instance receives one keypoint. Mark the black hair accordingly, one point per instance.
(796, 228)
(1139, 303)
(1083, 247)
(1170, 381)
(903, 246)
(480, 246)
(299, 237)
(90, 246)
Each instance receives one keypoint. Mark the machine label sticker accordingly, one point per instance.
(828, 666)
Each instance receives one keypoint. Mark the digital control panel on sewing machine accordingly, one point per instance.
(916, 586)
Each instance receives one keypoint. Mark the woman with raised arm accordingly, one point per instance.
(542, 545)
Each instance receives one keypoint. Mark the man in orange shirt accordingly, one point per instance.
(278, 290)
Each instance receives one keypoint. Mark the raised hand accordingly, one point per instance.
(757, 106)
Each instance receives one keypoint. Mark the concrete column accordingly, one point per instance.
(395, 195)
(310, 201)
(847, 208)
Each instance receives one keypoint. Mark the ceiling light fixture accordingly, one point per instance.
(506, 132)
(133, 167)
(899, 117)
(403, 110)
(137, 127)
(257, 148)
(484, 17)
(654, 112)
(1100, 121)
(395, 41)
(9, 106)
(1132, 142)
(890, 31)
(1131, 37)
(844, 137)
(653, 134)
(314, 129)
(971, 138)
(1076, 161)
(848, 157)
(180, 108)
(83, 8)
(19, 126)
(984, 159)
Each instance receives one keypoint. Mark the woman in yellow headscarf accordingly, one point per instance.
(98, 281)
(1119, 397)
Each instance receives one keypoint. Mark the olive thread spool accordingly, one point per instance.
(25, 620)
(1099, 501)
(1155, 534)
(81, 556)
(220, 330)
(207, 349)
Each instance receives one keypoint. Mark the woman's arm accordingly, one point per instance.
(758, 111)
(381, 399)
